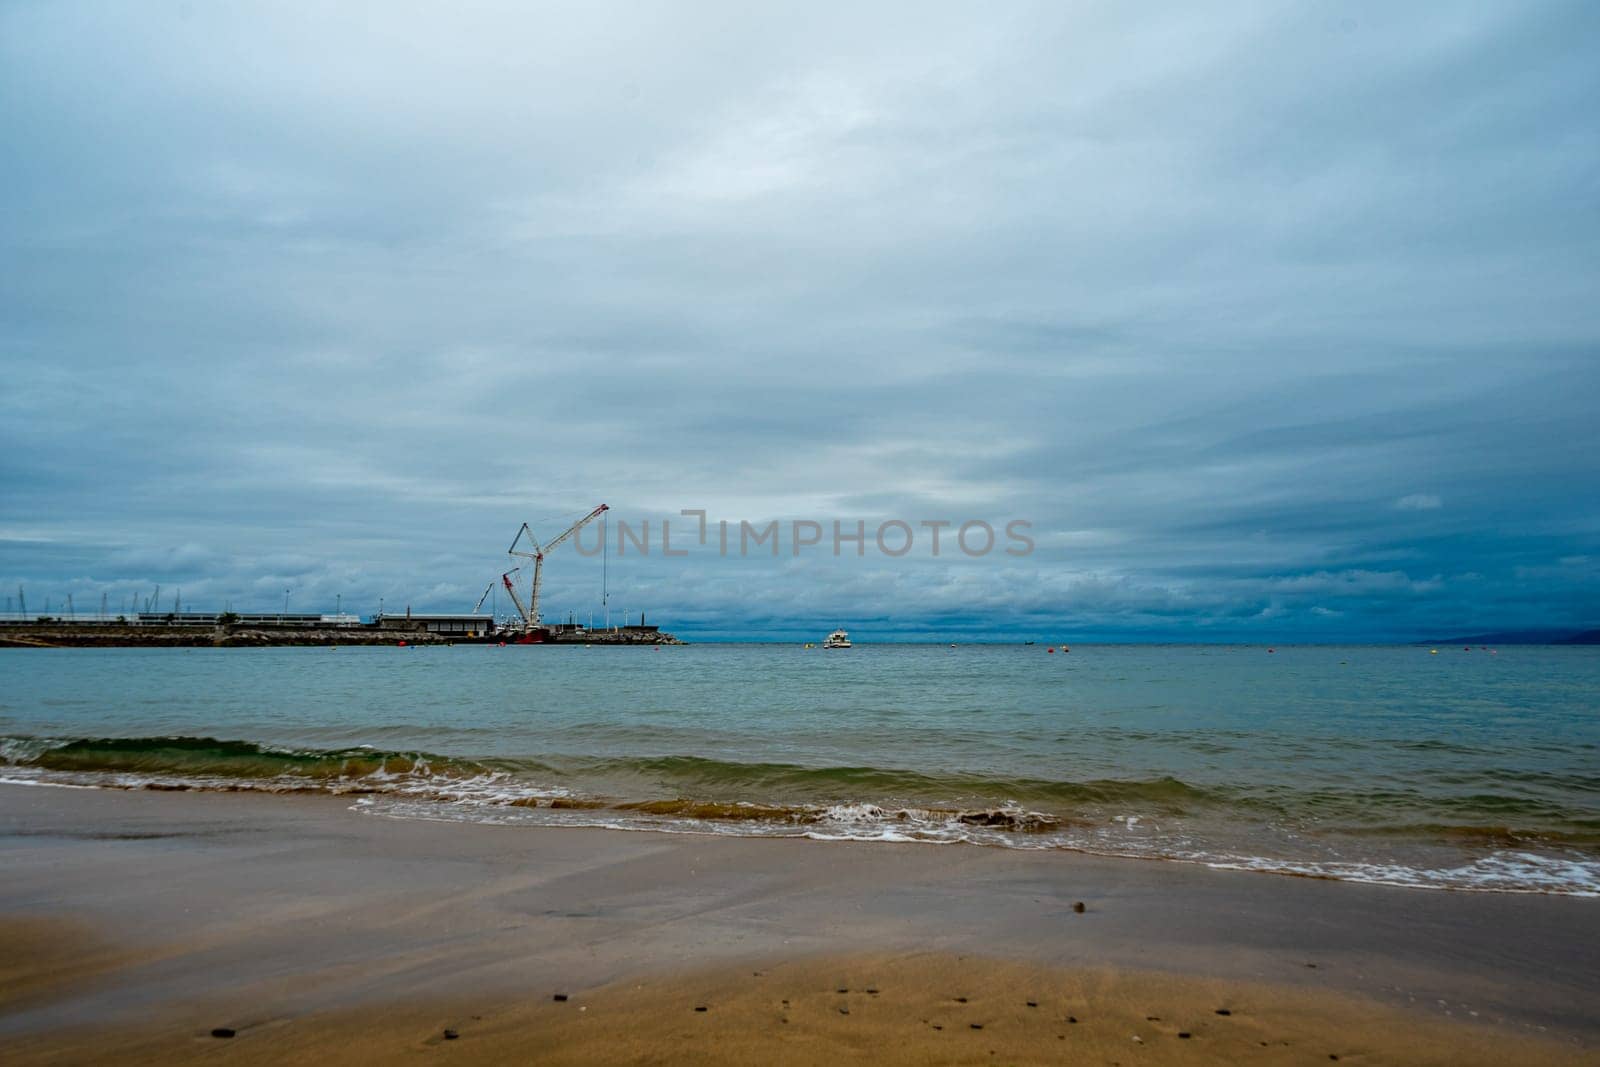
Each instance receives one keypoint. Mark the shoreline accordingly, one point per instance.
(307, 910)
(677, 794)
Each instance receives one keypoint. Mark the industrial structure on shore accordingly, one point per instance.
(268, 628)
(532, 630)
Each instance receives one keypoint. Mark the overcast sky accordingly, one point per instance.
(1276, 321)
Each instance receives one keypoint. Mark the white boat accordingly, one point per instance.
(837, 639)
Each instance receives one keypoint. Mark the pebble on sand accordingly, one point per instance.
(222, 1031)
(450, 1035)
(560, 998)
(1079, 907)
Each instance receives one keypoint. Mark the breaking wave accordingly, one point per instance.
(1278, 830)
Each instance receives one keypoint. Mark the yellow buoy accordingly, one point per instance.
(1433, 651)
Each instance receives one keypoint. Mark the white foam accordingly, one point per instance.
(11, 780)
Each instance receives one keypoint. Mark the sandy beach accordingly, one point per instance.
(137, 923)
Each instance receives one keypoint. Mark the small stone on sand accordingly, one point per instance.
(976, 1026)
(1078, 907)
(1224, 1011)
(1183, 1035)
(560, 998)
(702, 1007)
(450, 1035)
(222, 1031)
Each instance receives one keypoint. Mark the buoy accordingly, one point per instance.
(1433, 651)
(1272, 650)
(402, 644)
(1051, 651)
(1064, 648)
(1467, 649)
(502, 644)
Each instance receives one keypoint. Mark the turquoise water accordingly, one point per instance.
(1465, 769)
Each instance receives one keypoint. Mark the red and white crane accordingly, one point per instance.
(530, 616)
(511, 587)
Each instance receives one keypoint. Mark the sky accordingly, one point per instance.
(1274, 322)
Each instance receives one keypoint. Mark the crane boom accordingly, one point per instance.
(575, 527)
(511, 587)
(479, 605)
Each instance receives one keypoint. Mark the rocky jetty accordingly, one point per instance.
(112, 635)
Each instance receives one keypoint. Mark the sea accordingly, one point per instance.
(1439, 768)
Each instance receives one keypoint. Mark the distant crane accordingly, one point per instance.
(531, 621)
(486, 591)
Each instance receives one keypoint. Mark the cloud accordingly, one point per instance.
(1206, 297)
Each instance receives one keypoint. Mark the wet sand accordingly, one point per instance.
(133, 924)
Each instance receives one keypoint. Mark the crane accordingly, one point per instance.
(531, 616)
(511, 587)
(486, 591)
(504, 578)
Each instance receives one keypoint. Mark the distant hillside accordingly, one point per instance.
(1527, 637)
